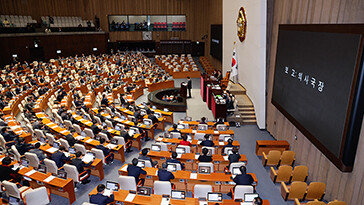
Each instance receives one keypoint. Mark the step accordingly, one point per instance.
(250, 112)
(249, 122)
(248, 117)
(243, 101)
(237, 89)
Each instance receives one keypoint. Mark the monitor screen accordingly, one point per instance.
(146, 122)
(117, 128)
(249, 197)
(167, 135)
(172, 167)
(222, 128)
(204, 170)
(154, 107)
(180, 150)
(214, 196)
(209, 153)
(141, 164)
(175, 194)
(156, 148)
(144, 191)
(71, 150)
(42, 168)
(112, 186)
(131, 132)
(43, 140)
(180, 127)
(165, 110)
(62, 174)
(24, 162)
(114, 141)
(56, 145)
(157, 115)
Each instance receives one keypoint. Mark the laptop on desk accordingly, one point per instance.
(175, 194)
(214, 197)
(156, 148)
(146, 191)
(110, 188)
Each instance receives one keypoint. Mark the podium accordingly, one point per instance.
(183, 90)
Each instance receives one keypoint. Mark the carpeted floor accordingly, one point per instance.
(246, 135)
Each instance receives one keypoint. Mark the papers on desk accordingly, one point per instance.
(48, 179)
(216, 132)
(15, 127)
(130, 197)
(159, 139)
(108, 192)
(67, 154)
(87, 158)
(165, 201)
(30, 172)
(193, 176)
(194, 131)
(203, 202)
(179, 155)
(125, 168)
(16, 166)
(111, 146)
(63, 131)
(52, 150)
(221, 143)
(197, 156)
(246, 203)
(226, 158)
(89, 140)
(80, 137)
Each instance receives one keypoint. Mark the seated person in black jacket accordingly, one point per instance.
(107, 153)
(164, 174)
(242, 179)
(152, 117)
(229, 144)
(204, 157)
(203, 121)
(99, 198)
(94, 127)
(219, 121)
(70, 139)
(104, 130)
(234, 157)
(104, 101)
(174, 126)
(257, 201)
(7, 173)
(59, 157)
(22, 146)
(124, 134)
(137, 115)
(207, 142)
(174, 160)
(80, 165)
(135, 171)
(144, 156)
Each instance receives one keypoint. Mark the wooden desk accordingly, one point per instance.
(214, 133)
(221, 182)
(218, 109)
(15, 126)
(196, 147)
(58, 186)
(267, 145)
(195, 123)
(160, 85)
(167, 115)
(184, 74)
(191, 162)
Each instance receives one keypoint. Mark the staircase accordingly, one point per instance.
(244, 112)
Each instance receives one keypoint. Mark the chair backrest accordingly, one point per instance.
(236, 164)
(120, 140)
(284, 173)
(77, 128)
(104, 136)
(50, 138)
(297, 190)
(201, 190)
(221, 127)
(11, 189)
(72, 172)
(273, 157)
(33, 159)
(162, 188)
(127, 183)
(16, 153)
(2, 142)
(337, 203)
(122, 127)
(37, 196)
(136, 130)
(39, 134)
(99, 154)
(187, 148)
(225, 137)
(51, 166)
(315, 203)
(241, 190)
(89, 132)
(176, 135)
(68, 124)
(147, 121)
(315, 190)
(287, 157)
(109, 123)
(207, 164)
(98, 120)
(211, 149)
(300, 173)
(199, 136)
(64, 143)
(202, 127)
(80, 148)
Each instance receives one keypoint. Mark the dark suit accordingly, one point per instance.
(153, 118)
(80, 165)
(135, 172)
(7, 172)
(207, 143)
(105, 102)
(101, 199)
(234, 158)
(59, 158)
(22, 148)
(165, 175)
(205, 158)
(95, 129)
(189, 87)
(106, 152)
(243, 179)
(71, 140)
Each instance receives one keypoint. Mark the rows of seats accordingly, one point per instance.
(179, 26)
(66, 21)
(160, 26)
(16, 21)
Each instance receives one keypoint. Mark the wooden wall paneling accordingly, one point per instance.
(342, 186)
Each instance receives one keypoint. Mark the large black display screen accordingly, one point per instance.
(313, 79)
(216, 41)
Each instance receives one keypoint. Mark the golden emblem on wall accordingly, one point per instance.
(241, 24)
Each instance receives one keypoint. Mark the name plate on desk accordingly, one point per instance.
(193, 176)
(130, 197)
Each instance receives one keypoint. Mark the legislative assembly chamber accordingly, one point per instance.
(204, 102)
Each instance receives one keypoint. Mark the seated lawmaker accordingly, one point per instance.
(41, 156)
(80, 165)
(174, 126)
(203, 121)
(7, 173)
(242, 179)
(22, 146)
(234, 157)
(184, 141)
(207, 142)
(152, 117)
(59, 157)
(135, 171)
(229, 144)
(107, 152)
(204, 157)
(174, 160)
(164, 174)
(145, 157)
(100, 198)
